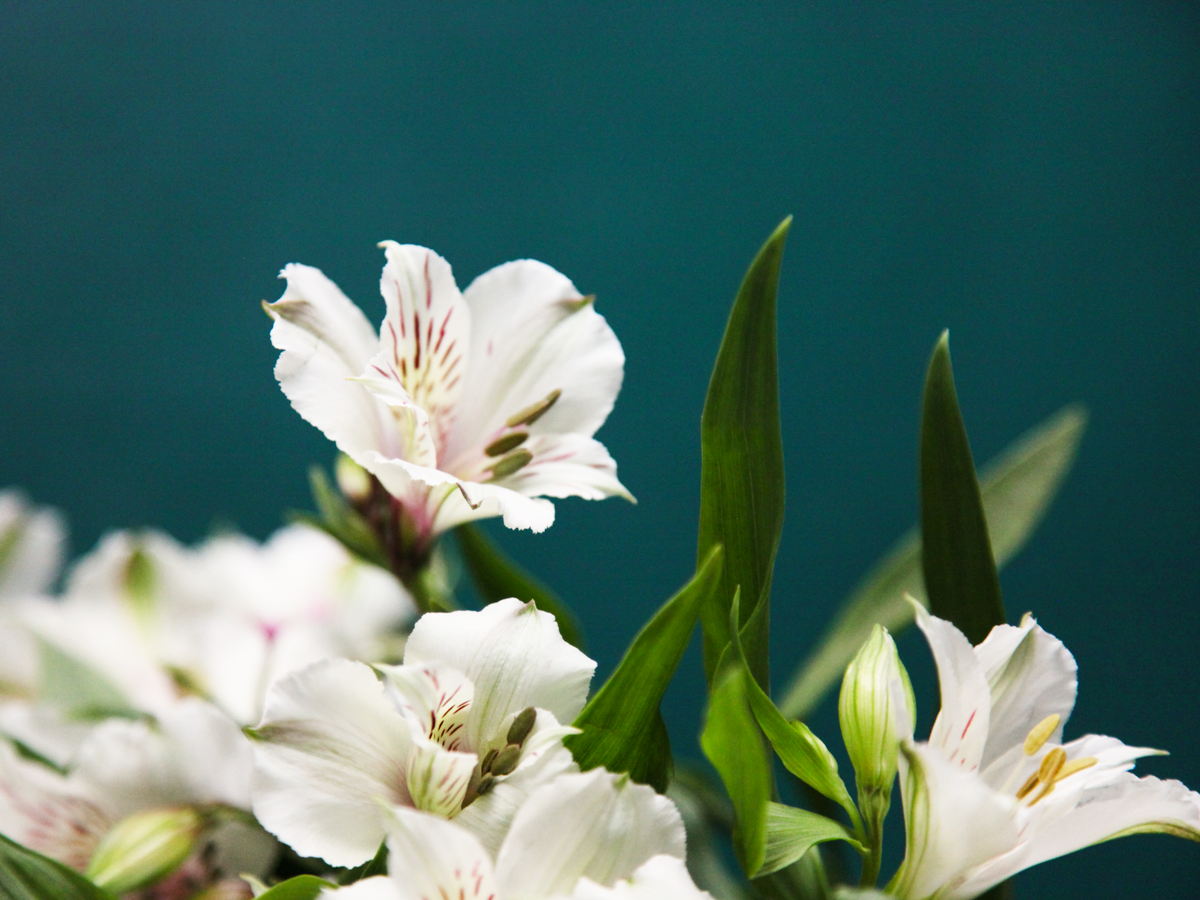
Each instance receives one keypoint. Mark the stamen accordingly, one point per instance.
(506, 760)
(1051, 764)
(502, 445)
(510, 464)
(521, 726)
(535, 411)
(1075, 765)
(1040, 733)
(1044, 792)
(1028, 786)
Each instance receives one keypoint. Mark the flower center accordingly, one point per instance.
(1054, 767)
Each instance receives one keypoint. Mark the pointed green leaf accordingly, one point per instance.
(302, 887)
(793, 832)
(741, 468)
(1017, 487)
(497, 577)
(337, 518)
(732, 744)
(622, 728)
(26, 875)
(801, 752)
(956, 553)
(376, 865)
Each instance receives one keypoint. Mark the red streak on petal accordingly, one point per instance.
(968, 725)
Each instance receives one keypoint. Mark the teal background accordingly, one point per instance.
(1026, 174)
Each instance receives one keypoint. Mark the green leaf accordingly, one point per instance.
(1017, 487)
(801, 752)
(337, 518)
(741, 461)
(707, 815)
(791, 832)
(622, 728)
(961, 580)
(498, 577)
(79, 689)
(376, 865)
(302, 887)
(732, 744)
(26, 875)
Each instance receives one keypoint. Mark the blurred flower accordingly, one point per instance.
(465, 405)
(994, 790)
(595, 836)
(466, 728)
(32, 542)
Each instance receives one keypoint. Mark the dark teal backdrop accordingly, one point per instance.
(1025, 174)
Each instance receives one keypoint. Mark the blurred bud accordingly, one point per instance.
(877, 709)
(352, 479)
(143, 848)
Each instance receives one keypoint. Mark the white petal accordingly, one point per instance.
(961, 729)
(430, 858)
(952, 821)
(567, 465)
(435, 698)
(660, 878)
(326, 340)
(1032, 676)
(533, 333)
(410, 422)
(516, 658)
(596, 825)
(33, 541)
(485, 501)
(437, 778)
(331, 747)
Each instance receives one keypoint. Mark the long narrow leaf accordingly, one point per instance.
(741, 475)
(497, 576)
(621, 727)
(1017, 488)
(26, 875)
(791, 832)
(961, 580)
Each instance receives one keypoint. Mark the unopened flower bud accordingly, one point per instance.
(352, 479)
(143, 848)
(872, 711)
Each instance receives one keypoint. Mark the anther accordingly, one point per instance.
(1051, 763)
(1040, 733)
(514, 462)
(1075, 765)
(506, 760)
(535, 411)
(485, 764)
(502, 445)
(1028, 786)
(522, 725)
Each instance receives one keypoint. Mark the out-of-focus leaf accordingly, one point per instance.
(793, 832)
(621, 726)
(302, 887)
(376, 865)
(26, 875)
(77, 688)
(741, 468)
(1017, 487)
(732, 744)
(801, 752)
(707, 815)
(498, 577)
(961, 581)
(337, 518)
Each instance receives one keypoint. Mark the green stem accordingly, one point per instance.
(874, 809)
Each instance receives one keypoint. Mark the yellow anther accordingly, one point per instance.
(1042, 793)
(1028, 786)
(1075, 765)
(1051, 764)
(1040, 733)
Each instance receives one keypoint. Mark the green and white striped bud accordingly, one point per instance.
(871, 708)
(144, 848)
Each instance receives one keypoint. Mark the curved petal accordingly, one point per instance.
(1032, 676)
(516, 658)
(533, 334)
(430, 858)
(961, 729)
(437, 778)
(596, 825)
(567, 465)
(485, 501)
(659, 878)
(952, 821)
(326, 340)
(426, 334)
(329, 748)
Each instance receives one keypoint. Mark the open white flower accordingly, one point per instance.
(465, 405)
(595, 836)
(466, 728)
(994, 790)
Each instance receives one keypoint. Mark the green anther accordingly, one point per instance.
(514, 462)
(485, 764)
(502, 445)
(521, 726)
(506, 760)
(533, 412)
(485, 785)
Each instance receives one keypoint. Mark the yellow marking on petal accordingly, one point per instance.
(1028, 787)
(1040, 733)
(1075, 765)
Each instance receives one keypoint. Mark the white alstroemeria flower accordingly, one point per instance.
(191, 757)
(465, 405)
(595, 836)
(224, 619)
(466, 728)
(994, 790)
(32, 541)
